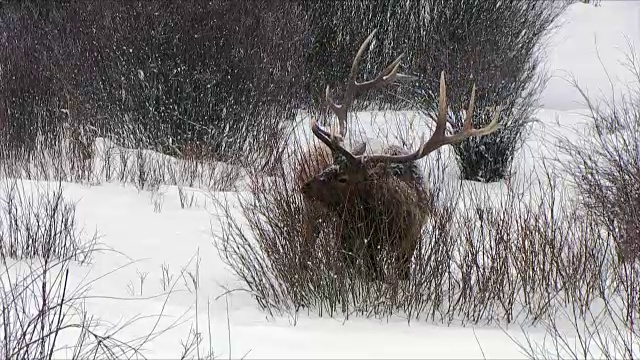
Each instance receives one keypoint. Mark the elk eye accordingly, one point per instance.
(342, 179)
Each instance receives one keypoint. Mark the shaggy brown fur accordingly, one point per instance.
(382, 211)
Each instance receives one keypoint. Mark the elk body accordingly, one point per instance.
(382, 211)
(382, 199)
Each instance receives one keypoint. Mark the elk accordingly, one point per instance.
(382, 198)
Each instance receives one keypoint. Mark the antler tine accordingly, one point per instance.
(438, 138)
(441, 119)
(327, 139)
(356, 60)
(355, 89)
(350, 94)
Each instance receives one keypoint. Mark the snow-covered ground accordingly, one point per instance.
(153, 237)
(589, 45)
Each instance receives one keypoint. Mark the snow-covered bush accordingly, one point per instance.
(501, 57)
(493, 44)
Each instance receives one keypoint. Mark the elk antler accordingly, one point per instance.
(354, 90)
(438, 138)
(331, 141)
(387, 76)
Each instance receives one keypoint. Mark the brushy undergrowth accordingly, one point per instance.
(40, 240)
(603, 168)
(512, 254)
(70, 159)
(221, 76)
(45, 299)
(501, 56)
(37, 221)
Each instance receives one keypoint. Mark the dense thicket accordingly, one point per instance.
(227, 75)
(151, 73)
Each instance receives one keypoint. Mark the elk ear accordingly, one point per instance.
(359, 149)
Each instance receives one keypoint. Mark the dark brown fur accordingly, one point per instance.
(382, 208)
(313, 160)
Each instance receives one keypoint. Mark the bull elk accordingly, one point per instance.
(382, 198)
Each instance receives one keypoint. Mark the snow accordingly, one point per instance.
(146, 240)
(148, 229)
(589, 45)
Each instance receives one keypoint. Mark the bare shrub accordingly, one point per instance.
(500, 56)
(76, 156)
(150, 74)
(65, 155)
(598, 324)
(43, 315)
(37, 221)
(598, 334)
(605, 166)
(43, 310)
(39, 225)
